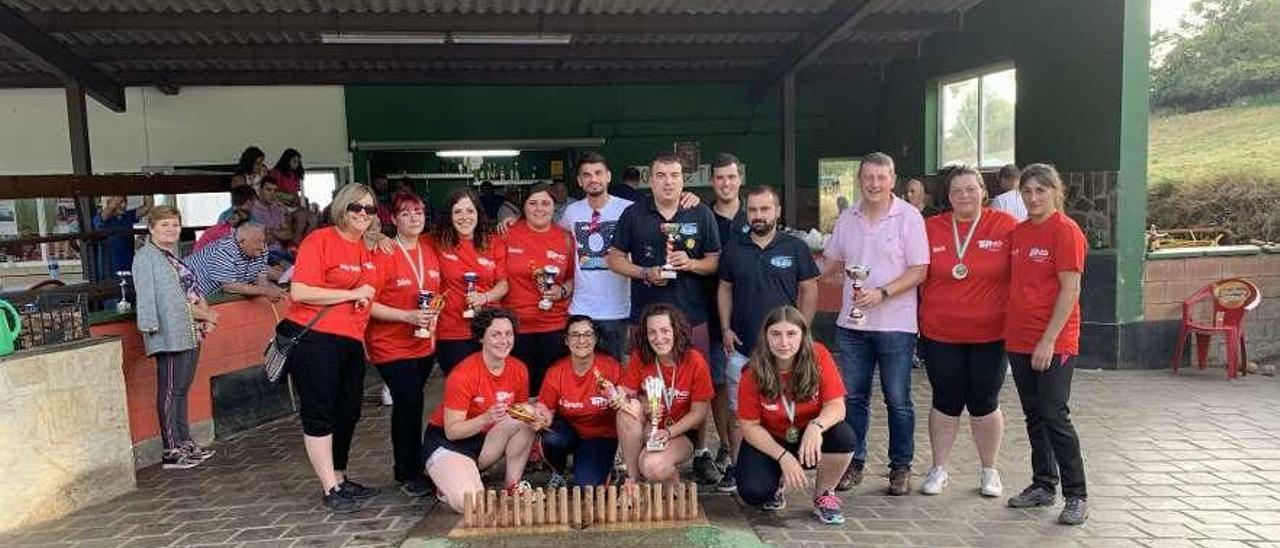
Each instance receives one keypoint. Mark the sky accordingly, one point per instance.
(1165, 14)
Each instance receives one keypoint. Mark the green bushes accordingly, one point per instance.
(1248, 206)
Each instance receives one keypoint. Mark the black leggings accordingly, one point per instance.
(965, 375)
(449, 353)
(328, 373)
(405, 379)
(759, 474)
(174, 373)
(538, 351)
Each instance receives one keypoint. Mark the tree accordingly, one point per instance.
(1225, 50)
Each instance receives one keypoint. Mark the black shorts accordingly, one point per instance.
(434, 438)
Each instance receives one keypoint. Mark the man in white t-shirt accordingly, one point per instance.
(599, 293)
(1009, 200)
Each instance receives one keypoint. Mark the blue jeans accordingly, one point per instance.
(858, 354)
(592, 458)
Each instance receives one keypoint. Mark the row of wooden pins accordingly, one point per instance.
(586, 506)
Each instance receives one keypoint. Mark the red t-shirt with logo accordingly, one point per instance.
(326, 259)
(490, 266)
(471, 387)
(692, 381)
(390, 341)
(527, 251)
(1040, 252)
(773, 415)
(576, 398)
(969, 310)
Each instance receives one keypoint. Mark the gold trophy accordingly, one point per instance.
(545, 278)
(653, 389)
(672, 232)
(859, 275)
(470, 278)
(432, 303)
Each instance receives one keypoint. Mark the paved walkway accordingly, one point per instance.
(1189, 461)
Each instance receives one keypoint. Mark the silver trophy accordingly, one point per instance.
(470, 278)
(545, 277)
(859, 275)
(123, 306)
(672, 232)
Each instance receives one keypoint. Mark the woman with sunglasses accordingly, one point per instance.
(791, 409)
(535, 245)
(334, 283)
(473, 272)
(398, 339)
(662, 355)
(576, 399)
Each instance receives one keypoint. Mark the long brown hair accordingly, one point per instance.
(681, 341)
(804, 367)
(445, 236)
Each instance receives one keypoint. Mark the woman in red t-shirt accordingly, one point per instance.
(334, 282)
(663, 357)
(472, 430)
(577, 401)
(534, 243)
(1042, 337)
(962, 308)
(791, 411)
(465, 249)
(399, 340)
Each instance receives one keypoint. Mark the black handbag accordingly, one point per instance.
(276, 355)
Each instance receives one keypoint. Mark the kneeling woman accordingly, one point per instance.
(664, 353)
(791, 410)
(472, 429)
(579, 409)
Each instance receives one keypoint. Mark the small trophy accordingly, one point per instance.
(653, 389)
(672, 232)
(470, 278)
(424, 303)
(545, 277)
(858, 274)
(123, 306)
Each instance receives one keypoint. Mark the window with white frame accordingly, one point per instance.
(975, 118)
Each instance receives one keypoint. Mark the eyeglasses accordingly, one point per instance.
(357, 208)
(581, 336)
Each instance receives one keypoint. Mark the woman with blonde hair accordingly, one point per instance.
(791, 411)
(1042, 337)
(334, 283)
(174, 320)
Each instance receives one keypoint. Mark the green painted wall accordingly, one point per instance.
(834, 118)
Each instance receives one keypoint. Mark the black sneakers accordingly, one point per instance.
(339, 501)
(357, 491)
(417, 487)
(178, 459)
(1032, 497)
(852, 476)
(704, 468)
(1075, 512)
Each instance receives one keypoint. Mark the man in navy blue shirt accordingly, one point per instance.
(115, 215)
(759, 271)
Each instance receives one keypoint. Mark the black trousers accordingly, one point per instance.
(538, 351)
(406, 379)
(759, 475)
(449, 353)
(328, 373)
(174, 373)
(1055, 447)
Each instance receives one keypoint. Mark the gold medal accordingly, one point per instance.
(793, 434)
(960, 271)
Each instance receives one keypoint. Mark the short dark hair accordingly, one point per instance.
(580, 318)
(590, 158)
(764, 189)
(242, 195)
(725, 159)
(665, 157)
(631, 174)
(485, 318)
(1009, 172)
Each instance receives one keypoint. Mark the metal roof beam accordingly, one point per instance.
(838, 20)
(21, 36)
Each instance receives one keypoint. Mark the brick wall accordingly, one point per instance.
(1168, 281)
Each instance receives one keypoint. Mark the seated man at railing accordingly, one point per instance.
(236, 263)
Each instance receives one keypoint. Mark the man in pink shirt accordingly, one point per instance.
(885, 235)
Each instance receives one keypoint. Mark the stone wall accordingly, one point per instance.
(1172, 277)
(1091, 201)
(64, 430)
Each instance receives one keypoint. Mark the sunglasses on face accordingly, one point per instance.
(357, 208)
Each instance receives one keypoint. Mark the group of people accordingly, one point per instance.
(627, 329)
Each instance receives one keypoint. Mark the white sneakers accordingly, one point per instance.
(988, 478)
(936, 481)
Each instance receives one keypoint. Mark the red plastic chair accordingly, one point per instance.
(1231, 299)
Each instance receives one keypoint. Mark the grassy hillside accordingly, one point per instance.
(1188, 147)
